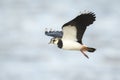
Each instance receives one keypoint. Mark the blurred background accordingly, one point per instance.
(26, 55)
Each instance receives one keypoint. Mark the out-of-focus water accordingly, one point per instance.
(26, 55)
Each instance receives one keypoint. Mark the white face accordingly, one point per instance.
(54, 41)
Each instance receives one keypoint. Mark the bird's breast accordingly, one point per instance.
(71, 45)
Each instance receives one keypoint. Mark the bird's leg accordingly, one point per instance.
(84, 54)
(83, 50)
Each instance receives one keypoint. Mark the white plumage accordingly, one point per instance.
(69, 33)
(71, 45)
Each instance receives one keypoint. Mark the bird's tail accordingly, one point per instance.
(89, 49)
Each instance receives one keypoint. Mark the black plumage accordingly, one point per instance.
(60, 43)
(81, 22)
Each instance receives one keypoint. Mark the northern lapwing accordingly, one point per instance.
(70, 38)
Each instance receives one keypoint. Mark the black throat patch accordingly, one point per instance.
(60, 44)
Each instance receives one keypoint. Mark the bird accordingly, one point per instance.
(70, 38)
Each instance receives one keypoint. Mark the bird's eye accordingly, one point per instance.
(53, 40)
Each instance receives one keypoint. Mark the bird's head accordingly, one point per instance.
(54, 41)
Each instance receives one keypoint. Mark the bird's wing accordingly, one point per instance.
(55, 34)
(74, 29)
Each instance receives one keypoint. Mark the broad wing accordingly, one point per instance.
(55, 34)
(74, 29)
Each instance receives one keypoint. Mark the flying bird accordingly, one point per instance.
(70, 38)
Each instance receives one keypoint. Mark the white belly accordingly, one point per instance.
(71, 45)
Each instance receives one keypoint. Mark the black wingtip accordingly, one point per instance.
(85, 19)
